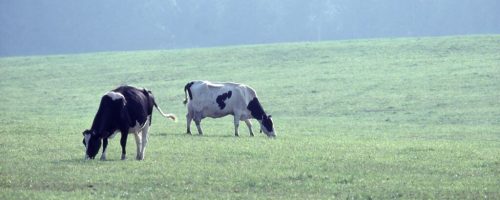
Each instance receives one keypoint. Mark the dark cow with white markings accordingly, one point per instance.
(125, 109)
(206, 99)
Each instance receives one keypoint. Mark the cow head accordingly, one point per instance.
(267, 126)
(92, 144)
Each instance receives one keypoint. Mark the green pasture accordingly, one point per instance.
(409, 118)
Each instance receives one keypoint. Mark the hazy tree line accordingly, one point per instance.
(68, 26)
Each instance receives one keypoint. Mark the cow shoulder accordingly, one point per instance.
(115, 96)
(248, 93)
(201, 91)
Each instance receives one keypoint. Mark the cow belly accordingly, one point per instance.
(216, 112)
(138, 127)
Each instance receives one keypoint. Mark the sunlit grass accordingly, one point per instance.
(396, 118)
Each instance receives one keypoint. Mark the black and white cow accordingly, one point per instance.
(125, 109)
(216, 100)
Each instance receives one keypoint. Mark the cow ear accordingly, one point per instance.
(269, 116)
(86, 132)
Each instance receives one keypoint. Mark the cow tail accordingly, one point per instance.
(187, 92)
(167, 115)
(185, 97)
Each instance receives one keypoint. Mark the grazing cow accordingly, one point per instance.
(128, 110)
(216, 100)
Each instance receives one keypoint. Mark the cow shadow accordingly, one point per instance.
(69, 161)
(196, 135)
(83, 161)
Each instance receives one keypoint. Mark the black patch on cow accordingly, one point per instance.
(267, 122)
(188, 88)
(138, 107)
(223, 97)
(256, 109)
(93, 146)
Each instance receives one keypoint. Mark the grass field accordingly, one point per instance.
(411, 118)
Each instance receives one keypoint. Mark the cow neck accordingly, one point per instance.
(99, 125)
(256, 109)
(98, 128)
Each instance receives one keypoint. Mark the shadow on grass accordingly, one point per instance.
(83, 161)
(201, 136)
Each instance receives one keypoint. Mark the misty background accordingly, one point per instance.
(37, 27)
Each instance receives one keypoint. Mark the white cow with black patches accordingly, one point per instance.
(127, 110)
(206, 99)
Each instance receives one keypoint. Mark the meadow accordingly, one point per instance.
(407, 118)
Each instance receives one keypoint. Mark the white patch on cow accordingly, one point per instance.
(103, 156)
(140, 132)
(87, 139)
(136, 128)
(115, 95)
(145, 138)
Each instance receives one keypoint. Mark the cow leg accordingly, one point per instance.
(236, 125)
(198, 126)
(197, 116)
(145, 137)
(104, 145)
(249, 124)
(138, 143)
(123, 143)
(189, 118)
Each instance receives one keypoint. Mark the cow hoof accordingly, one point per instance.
(189, 133)
(124, 157)
(103, 158)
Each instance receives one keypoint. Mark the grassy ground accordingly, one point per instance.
(412, 118)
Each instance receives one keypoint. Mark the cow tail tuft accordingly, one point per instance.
(167, 115)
